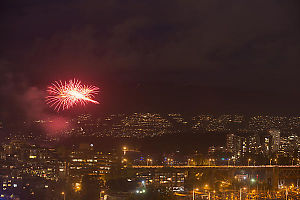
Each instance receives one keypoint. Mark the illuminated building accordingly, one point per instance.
(173, 181)
(141, 125)
(283, 147)
(88, 163)
(266, 145)
(211, 151)
(275, 140)
(233, 144)
(254, 144)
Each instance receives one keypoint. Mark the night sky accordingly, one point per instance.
(159, 55)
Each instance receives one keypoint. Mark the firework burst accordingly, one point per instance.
(64, 95)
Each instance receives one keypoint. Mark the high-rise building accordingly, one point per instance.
(275, 140)
(244, 146)
(211, 151)
(230, 142)
(283, 147)
(266, 145)
(88, 162)
(233, 144)
(254, 144)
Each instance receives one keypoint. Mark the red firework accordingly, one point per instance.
(64, 95)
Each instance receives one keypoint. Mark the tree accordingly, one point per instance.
(90, 188)
(153, 193)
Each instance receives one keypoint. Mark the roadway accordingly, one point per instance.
(219, 167)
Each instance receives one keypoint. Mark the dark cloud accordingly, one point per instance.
(20, 101)
(236, 44)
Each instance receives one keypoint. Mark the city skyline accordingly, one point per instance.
(199, 131)
(206, 58)
(185, 176)
(149, 100)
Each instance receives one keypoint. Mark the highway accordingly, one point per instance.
(219, 167)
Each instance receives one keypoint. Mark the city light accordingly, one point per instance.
(77, 187)
(124, 150)
(206, 187)
(168, 170)
(141, 191)
(150, 100)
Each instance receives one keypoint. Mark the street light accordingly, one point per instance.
(249, 161)
(102, 192)
(149, 160)
(77, 187)
(124, 150)
(194, 193)
(64, 194)
(206, 187)
(211, 160)
(124, 161)
(241, 192)
(274, 160)
(170, 161)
